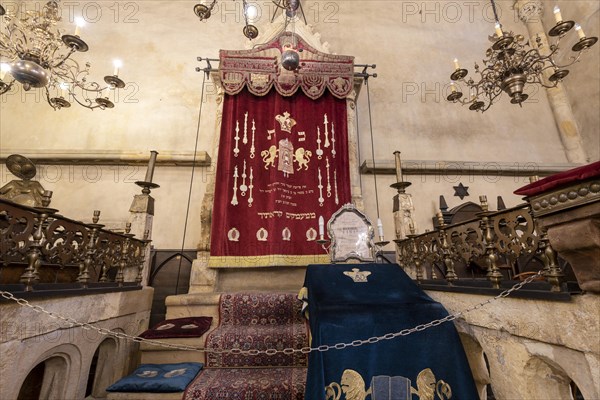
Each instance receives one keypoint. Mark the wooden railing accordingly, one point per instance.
(38, 246)
(482, 247)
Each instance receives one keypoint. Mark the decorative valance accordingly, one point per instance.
(260, 69)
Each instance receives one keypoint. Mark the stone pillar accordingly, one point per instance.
(355, 187)
(530, 12)
(202, 278)
(141, 215)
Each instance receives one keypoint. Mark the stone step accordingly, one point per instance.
(144, 396)
(151, 354)
(194, 305)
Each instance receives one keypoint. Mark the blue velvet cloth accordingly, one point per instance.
(341, 311)
(158, 378)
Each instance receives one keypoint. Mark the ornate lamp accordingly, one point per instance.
(290, 7)
(39, 56)
(511, 64)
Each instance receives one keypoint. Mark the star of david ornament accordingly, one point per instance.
(461, 191)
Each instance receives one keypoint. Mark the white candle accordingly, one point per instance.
(557, 14)
(64, 90)
(118, 64)
(380, 227)
(499, 30)
(321, 226)
(579, 31)
(79, 22)
(453, 87)
(456, 65)
(4, 68)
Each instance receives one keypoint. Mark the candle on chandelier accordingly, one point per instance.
(579, 31)
(79, 22)
(4, 68)
(499, 32)
(380, 227)
(453, 87)
(118, 64)
(557, 15)
(321, 227)
(64, 87)
(456, 65)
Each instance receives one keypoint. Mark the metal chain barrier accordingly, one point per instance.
(288, 351)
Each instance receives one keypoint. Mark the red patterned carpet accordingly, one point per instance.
(248, 384)
(255, 321)
(258, 321)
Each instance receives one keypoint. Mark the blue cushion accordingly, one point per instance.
(160, 378)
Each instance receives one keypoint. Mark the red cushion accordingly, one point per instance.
(179, 327)
(561, 179)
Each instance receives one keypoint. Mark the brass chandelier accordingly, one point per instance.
(36, 54)
(250, 12)
(511, 64)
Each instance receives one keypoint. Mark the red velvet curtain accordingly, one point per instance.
(282, 163)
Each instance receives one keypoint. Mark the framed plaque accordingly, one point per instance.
(351, 235)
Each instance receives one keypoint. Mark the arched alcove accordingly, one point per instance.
(47, 380)
(102, 371)
(61, 372)
(477, 363)
(32, 385)
(547, 379)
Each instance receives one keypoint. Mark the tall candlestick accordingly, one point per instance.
(557, 15)
(399, 177)
(499, 32)
(150, 170)
(456, 65)
(321, 227)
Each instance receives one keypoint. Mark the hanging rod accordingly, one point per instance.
(209, 68)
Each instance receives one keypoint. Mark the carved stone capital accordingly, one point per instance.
(529, 10)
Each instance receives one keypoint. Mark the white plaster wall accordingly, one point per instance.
(159, 41)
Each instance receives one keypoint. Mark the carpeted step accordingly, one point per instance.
(248, 384)
(258, 321)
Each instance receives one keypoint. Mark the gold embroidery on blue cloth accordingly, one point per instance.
(352, 387)
(426, 384)
(357, 275)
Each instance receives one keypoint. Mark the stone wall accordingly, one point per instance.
(534, 348)
(28, 338)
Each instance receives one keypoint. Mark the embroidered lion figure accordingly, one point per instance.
(269, 156)
(302, 157)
